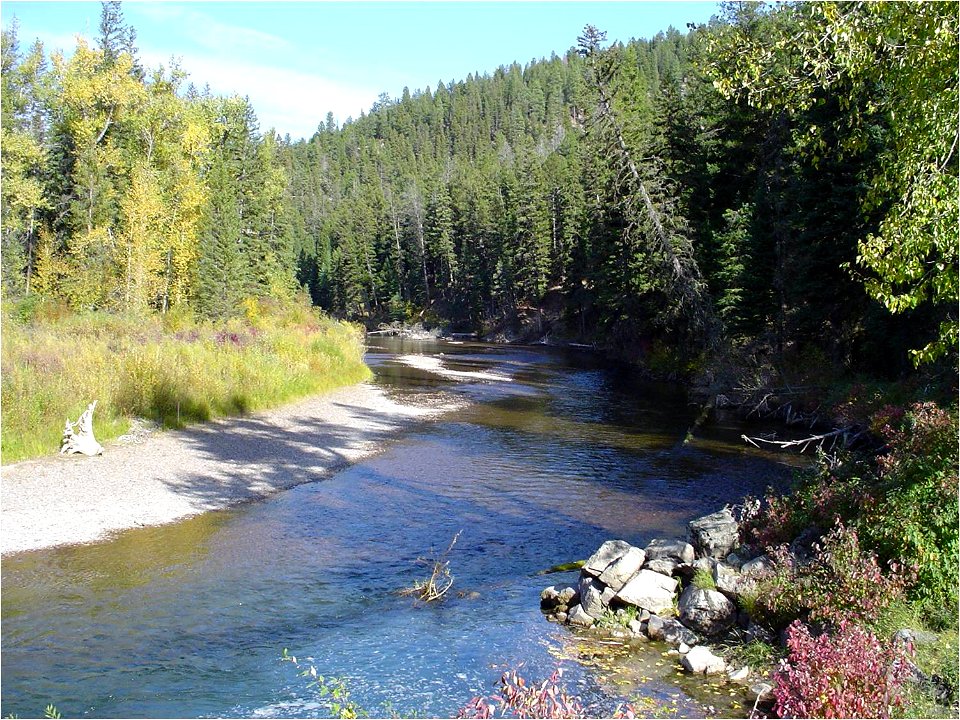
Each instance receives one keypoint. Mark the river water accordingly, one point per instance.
(553, 453)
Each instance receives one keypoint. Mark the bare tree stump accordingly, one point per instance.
(78, 437)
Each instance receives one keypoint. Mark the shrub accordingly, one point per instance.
(333, 689)
(902, 502)
(840, 582)
(914, 519)
(846, 674)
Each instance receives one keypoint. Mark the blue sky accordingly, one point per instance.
(298, 60)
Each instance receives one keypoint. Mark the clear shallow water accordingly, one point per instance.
(557, 453)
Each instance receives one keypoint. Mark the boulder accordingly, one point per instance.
(701, 660)
(734, 560)
(557, 596)
(650, 591)
(664, 565)
(909, 636)
(715, 535)
(677, 550)
(635, 626)
(739, 675)
(578, 616)
(607, 596)
(670, 630)
(591, 596)
(706, 611)
(757, 567)
(623, 568)
(607, 553)
(704, 563)
(728, 580)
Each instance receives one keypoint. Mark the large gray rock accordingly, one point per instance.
(670, 630)
(607, 596)
(591, 596)
(664, 565)
(558, 596)
(623, 568)
(757, 567)
(578, 616)
(704, 563)
(702, 661)
(649, 590)
(677, 550)
(706, 611)
(715, 535)
(607, 553)
(730, 582)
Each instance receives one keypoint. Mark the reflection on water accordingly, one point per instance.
(558, 453)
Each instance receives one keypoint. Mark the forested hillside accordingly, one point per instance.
(786, 177)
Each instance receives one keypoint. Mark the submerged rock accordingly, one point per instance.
(670, 630)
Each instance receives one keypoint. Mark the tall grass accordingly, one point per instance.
(170, 369)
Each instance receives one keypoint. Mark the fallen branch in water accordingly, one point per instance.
(847, 435)
(440, 580)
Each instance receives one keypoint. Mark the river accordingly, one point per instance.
(552, 453)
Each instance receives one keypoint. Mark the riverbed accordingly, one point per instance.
(550, 453)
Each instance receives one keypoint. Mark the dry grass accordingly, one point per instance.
(173, 370)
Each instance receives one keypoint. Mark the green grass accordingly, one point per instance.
(703, 579)
(172, 370)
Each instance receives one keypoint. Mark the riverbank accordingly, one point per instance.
(162, 477)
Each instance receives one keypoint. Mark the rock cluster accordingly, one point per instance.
(648, 593)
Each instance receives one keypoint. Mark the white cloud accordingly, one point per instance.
(212, 34)
(289, 101)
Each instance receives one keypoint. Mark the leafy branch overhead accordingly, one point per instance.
(903, 58)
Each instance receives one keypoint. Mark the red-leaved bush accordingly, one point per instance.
(842, 581)
(846, 674)
(518, 699)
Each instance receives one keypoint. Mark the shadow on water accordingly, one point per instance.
(190, 619)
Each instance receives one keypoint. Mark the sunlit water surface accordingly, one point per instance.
(555, 453)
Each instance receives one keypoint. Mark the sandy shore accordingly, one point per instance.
(166, 476)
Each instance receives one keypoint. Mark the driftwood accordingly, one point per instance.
(440, 580)
(845, 435)
(78, 437)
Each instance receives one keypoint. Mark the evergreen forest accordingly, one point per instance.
(783, 178)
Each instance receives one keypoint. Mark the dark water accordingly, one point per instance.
(556, 454)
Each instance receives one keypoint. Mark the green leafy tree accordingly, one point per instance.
(905, 58)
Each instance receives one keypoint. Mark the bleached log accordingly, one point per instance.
(78, 437)
(846, 435)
